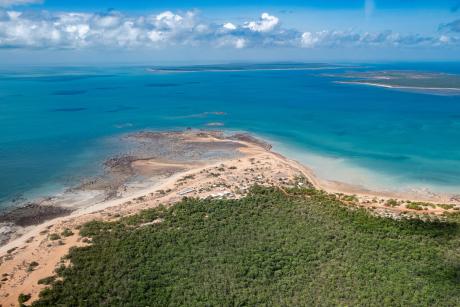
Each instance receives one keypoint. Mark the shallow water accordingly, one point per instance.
(58, 124)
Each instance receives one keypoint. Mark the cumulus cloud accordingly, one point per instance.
(229, 26)
(351, 38)
(309, 40)
(74, 30)
(266, 23)
(10, 3)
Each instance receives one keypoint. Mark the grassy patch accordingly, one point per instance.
(269, 249)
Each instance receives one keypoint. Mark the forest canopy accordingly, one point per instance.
(270, 248)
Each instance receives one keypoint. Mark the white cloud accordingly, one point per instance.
(73, 30)
(352, 38)
(240, 43)
(309, 40)
(229, 26)
(10, 3)
(168, 20)
(266, 23)
(13, 15)
(155, 36)
(444, 39)
(109, 21)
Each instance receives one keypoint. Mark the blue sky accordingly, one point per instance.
(151, 31)
(180, 4)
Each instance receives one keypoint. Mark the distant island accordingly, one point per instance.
(247, 67)
(422, 82)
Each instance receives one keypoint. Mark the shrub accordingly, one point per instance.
(351, 198)
(414, 206)
(47, 280)
(60, 269)
(11, 250)
(188, 177)
(54, 236)
(67, 233)
(392, 203)
(23, 298)
(32, 266)
(446, 206)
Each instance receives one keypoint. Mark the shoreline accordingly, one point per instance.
(92, 189)
(165, 70)
(251, 162)
(101, 190)
(439, 90)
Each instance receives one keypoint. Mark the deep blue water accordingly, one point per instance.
(56, 123)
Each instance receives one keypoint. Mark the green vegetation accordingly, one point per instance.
(47, 280)
(67, 233)
(350, 198)
(422, 205)
(187, 177)
(54, 236)
(269, 248)
(414, 206)
(446, 206)
(23, 298)
(32, 266)
(392, 203)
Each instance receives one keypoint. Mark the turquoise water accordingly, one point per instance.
(57, 123)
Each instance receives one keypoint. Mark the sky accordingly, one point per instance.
(190, 31)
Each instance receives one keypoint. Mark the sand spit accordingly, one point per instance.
(419, 89)
(193, 164)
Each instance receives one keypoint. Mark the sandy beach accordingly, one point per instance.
(191, 164)
(434, 90)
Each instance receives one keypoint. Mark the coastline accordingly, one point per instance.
(434, 90)
(248, 161)
(165, 70)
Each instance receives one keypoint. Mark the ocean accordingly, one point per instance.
(58, 124)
